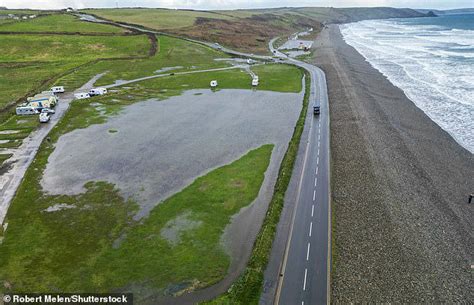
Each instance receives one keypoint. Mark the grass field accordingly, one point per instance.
(58, 23)
(73, 249)
(157, 19)
(172, 52)
(26, 61)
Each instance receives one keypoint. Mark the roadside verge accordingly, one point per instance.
(247, 288)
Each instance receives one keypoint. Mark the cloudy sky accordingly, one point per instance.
(233, 4)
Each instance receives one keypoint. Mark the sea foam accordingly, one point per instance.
(432, 64)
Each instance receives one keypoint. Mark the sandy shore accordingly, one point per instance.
(403, 229)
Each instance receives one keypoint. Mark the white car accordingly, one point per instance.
(48, 110)
(44, 117)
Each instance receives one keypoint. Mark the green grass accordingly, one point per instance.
(157, 19)
(273, 77)
(4, 157)
(41, 48)
(71, 250)
(59, 23)
(247, 289)
(28, 61)
(172, 52)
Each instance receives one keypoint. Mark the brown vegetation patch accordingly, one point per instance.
(247, 34)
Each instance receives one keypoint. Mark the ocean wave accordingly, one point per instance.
(433, 65)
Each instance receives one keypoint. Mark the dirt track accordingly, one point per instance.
(403, 229)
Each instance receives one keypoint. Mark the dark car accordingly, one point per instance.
(316, 110)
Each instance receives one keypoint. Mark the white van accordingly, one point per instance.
(213, 83)
(57, 89)
(97, 91)
(26, 110)
(82, 95)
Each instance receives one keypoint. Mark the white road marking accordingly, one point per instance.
(307, 252)
(310, 228)
(315, 181)
(317, 160)
(305, 274)
(317, 170)
(319, 143)
(312, 210)
(314, 195)
(319, 137)
(318, 151)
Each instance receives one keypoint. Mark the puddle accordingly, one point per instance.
(164, 145)
(165, 69)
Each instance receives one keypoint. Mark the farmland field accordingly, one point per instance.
(58, 23)
(157, 19)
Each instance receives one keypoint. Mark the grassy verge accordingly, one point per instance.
(247, 289)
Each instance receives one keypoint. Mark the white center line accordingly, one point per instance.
(307, 252)
(314, 195)
(312, 210)
(317, 160)
(310, 228)
(318, 151)
(302, 302)
(315, 181)
(317, 170)
(319, 137)
(305, 274)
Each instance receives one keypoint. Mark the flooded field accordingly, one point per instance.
(155, 148)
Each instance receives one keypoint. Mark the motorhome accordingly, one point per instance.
(97, 91)
(82, 95)
(26, 110)
(57, 89)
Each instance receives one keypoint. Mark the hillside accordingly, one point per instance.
(246, 30)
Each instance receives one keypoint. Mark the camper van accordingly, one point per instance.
(26, 110)
(213, 83)
(57, 89)
(97, 91)
(82, 95)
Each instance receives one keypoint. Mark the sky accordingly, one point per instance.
(233, 4)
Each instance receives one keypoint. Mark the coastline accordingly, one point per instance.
(403, 229)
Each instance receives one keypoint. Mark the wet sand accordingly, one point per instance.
(404, 232)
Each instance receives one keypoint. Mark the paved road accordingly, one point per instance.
(306, 263)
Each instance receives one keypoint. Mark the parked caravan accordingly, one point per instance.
(57, 89)
(82, 95)
(26, 110)
(97, 91)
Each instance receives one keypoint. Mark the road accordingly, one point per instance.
(306, 262)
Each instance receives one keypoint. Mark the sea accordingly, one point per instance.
(431, 59)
